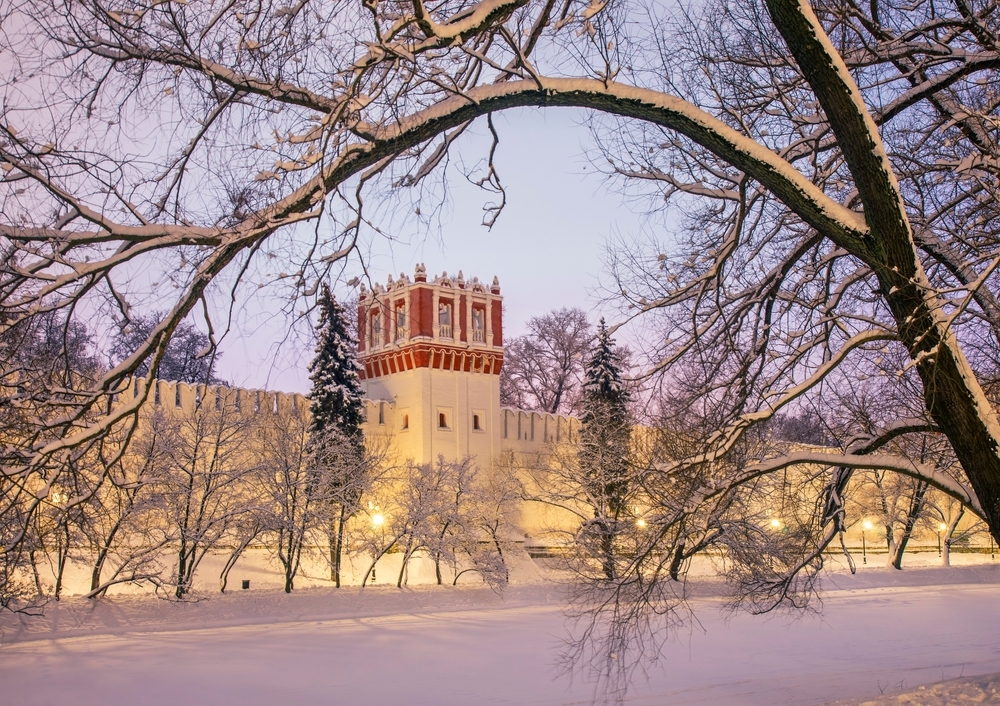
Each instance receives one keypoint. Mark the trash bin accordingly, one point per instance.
(246, 584)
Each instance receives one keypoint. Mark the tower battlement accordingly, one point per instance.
(445, 323)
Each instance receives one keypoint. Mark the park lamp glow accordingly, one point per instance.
(640, 523)
(775, 523)
(942, 527)
(378, 519)
(866, 525)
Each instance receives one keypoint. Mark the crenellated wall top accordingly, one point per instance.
(173, 395)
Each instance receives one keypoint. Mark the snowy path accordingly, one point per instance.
(483, 652)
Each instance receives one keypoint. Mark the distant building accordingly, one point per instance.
(430, 352)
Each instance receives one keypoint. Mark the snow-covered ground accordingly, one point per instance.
(880, 632)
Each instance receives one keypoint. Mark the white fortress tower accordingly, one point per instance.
(431, 353)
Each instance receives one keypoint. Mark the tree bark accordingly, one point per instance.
(916, 505)
(952, 394)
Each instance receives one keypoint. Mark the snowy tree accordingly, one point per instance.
(189, 357)
(543, 369)
(604, 454)
(336, 441)
(835, 167)
(207, 467)
(291, 493)
(125, 525)
(450, 511)
(798, 150)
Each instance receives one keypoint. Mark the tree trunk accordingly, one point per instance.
(607, 550)
(949, 533)
(233, 558)
(102, 555)
(338, 548)
(62, 552)
(952, 394)
(916, 505)
(34, 572)
(503, 561)
(406, 560)
(677, 560)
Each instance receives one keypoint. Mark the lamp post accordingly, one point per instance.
(940, 528)
(378, 520)
(866, 525)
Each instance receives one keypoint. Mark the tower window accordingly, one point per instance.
(444, 320)
(478, 325)
(442, 420)
(400, 321)
(381, 413)
(476, 426)
(376, 330)
(406, 422)
(177, 394)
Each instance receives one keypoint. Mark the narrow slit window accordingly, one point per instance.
(442, 420)
(475, 423)
(177, 394)
(381, 413)
(406, 421)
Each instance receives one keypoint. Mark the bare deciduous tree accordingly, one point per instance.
(838, 162)
(543, 369)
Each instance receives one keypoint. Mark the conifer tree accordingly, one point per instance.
(604, 446)
(335, 437)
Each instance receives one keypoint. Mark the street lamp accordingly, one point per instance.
(775, 523)
(940, 528)
(640, 523)
(378, 520)
(866, 525)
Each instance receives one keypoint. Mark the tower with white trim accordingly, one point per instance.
(430, 353)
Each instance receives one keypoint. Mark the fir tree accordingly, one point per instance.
(336, 439)
(604, 445)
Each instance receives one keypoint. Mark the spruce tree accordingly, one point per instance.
(336, 439)
(604, 445)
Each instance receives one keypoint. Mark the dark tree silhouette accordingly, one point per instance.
(336, 441)
(604, 446)
(189, 357)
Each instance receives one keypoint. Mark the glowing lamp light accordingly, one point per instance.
(377, 519)
(640, 523)
(776, 523)
(866, 525)
(942, 527)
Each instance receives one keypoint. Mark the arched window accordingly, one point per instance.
(444, 320)
(376, 331)
(478, 325)
(400, 321)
